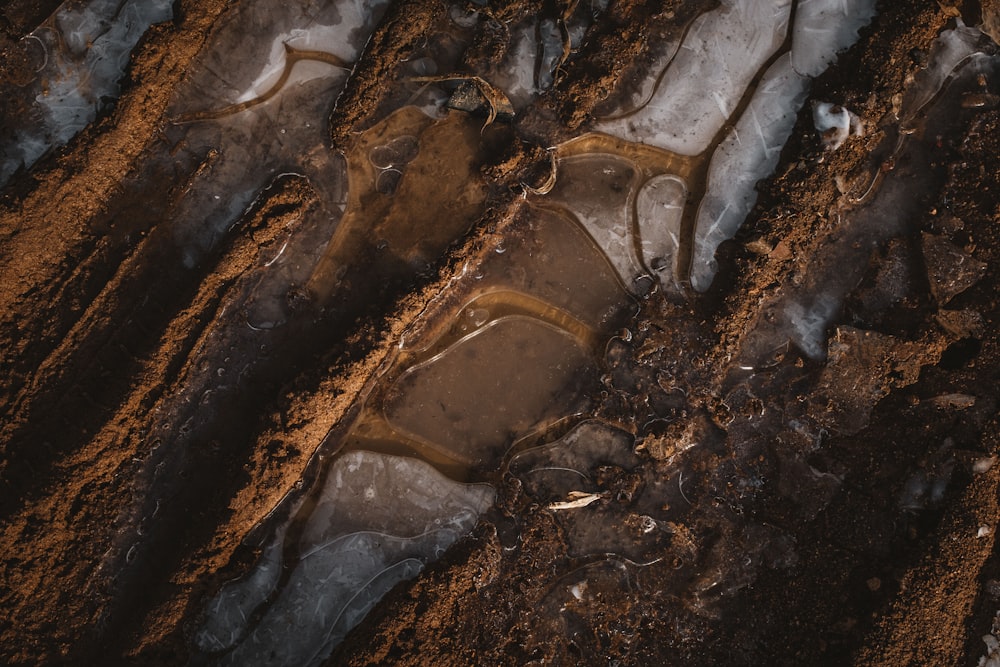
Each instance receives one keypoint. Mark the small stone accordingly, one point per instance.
(950, 269)
(874, 584)
(961, 323)
(956, 401)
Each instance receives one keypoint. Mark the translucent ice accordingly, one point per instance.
(721, 54)
(229, 612)
(551, 472)
(710, 83)
(392, 494)
(586, 479)
(747, 155)
(87, 47)
(476, 396)
(659, 211)
(332, 34)
(596, 189)
(823, 28)
(251, 114)
(952, 49)
(808, 324)
(378, 519)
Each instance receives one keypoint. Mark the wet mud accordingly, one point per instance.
(410, 321)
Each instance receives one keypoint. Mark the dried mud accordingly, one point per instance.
(120, 519)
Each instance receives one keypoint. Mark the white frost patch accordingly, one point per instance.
(379, 519)
(835, 124)
(748, 154)
(717, 61)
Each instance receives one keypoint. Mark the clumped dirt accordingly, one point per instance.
(865, 537)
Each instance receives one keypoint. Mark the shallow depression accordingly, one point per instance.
(511, 349)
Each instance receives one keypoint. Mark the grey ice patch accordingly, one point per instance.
(808, 324)
(823, 28)
(749, 153)
(229, 612)
(88, 51)
(378, 520)
(716, 62)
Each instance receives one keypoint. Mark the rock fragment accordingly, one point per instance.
(950, 270)
(863, 367)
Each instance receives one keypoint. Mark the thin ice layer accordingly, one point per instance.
(231, 110)
(555, 261)
(950, 51)
(87, 52)
(596, 189)
(884, 203)
(660, 209)
(551, 472)
(571, 476)
(378, 520)
(823, 28)
(323, 587)
(476, 397)
(229, 612)
(749, 153)
(364, 491)
(700, 91)
(334, 30)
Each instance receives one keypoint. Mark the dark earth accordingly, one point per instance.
(817, 546)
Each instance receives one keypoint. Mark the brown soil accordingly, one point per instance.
(112, 540)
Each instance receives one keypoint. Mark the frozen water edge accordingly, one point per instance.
(748, 154)
(99, 37)
(703, 86)
(703, 89)
(379, 518)
(356, 551)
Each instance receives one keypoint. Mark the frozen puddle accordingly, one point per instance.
(511, 353)
(720, 116)
(377, 521)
